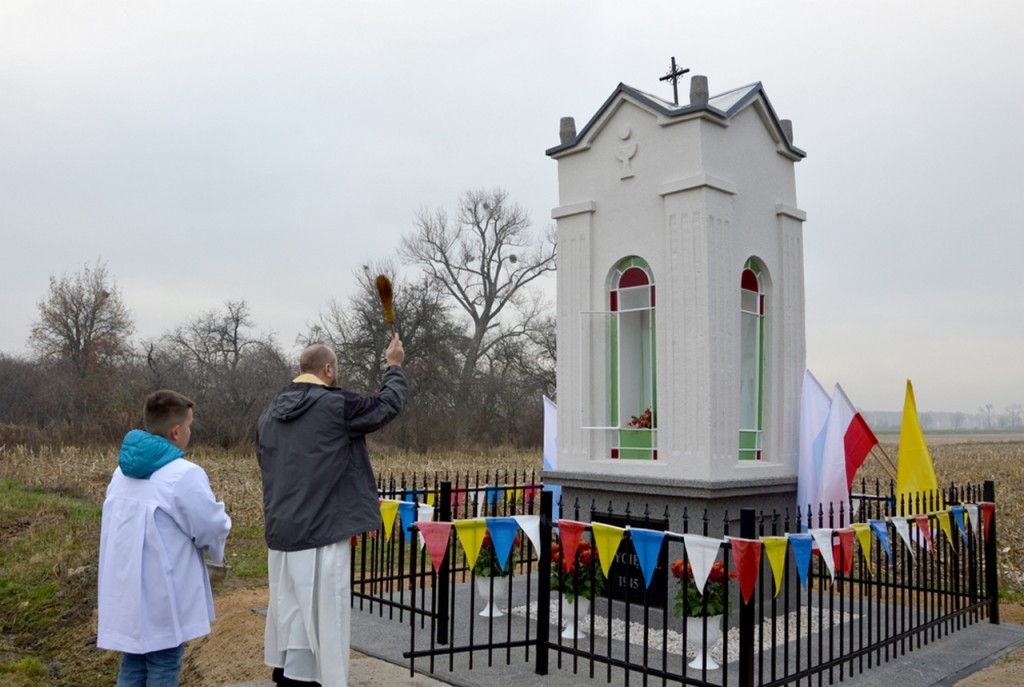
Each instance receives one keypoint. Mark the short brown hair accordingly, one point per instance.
(164, 409)
(315, 357)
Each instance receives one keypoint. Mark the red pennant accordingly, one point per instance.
(925, 528)
(747, 554)
(458, 496)
(436, 535)
(846, 538)
(530, 492)
(570, 532)
(987, 509)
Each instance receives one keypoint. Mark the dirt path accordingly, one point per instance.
(233, 652)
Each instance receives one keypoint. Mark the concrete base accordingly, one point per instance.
(672, 499)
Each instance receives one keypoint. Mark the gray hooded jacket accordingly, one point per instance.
(318, 485)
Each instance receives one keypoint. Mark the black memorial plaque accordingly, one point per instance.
(626, 579)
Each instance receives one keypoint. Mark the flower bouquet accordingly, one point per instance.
(584, 579)
(644, 421)
(689, 601)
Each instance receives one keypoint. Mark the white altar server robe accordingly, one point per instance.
(154, 591)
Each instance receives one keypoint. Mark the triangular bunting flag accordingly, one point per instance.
(823, 538)
(494, 495)
(959, 516)
(863, 532)
(607, 538)
(924, 530)
(903, 529)
(702, 552)
(435, 534)
(530, 525)
(747, 554)
(881, 530)
(972, 518)
(503, 536)
(846, 537)
(569, 534)
(531, 493)
(407, 515)
(458, 496)
(776, 548)
(987, 509)
(388, 512)
(647, 544)
(801, 545)
(944, 525)
(471, 536)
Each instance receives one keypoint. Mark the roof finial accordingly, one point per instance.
(673, 75)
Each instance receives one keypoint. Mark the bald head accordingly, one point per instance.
(319, 360)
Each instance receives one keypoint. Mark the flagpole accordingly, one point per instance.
(892, 463)
(885, 467)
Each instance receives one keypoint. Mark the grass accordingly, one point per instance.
(48, 545)
(50, 506)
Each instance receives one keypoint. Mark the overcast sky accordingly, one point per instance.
(217, 150)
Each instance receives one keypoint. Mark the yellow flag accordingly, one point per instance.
(471, 535)
(388, 511)
(776, 548)
(943, 517)
(863, 531)
(607, 538)
(915, 473)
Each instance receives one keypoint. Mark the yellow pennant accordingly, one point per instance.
(607, 538)
(388, 511)
(471, 535)
(943, 516)
(863, 531)
(776, 548)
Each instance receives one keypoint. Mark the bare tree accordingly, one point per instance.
(485, 260)
(230, 372)
(83, 321)
(358, 335)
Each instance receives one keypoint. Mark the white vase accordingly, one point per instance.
(491, 601)
(576, 616)
(703, 642)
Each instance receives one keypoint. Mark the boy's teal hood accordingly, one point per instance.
(143, 453)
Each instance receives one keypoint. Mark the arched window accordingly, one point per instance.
(751, 361)
(633, 370)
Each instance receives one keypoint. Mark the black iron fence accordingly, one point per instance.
(821, 595)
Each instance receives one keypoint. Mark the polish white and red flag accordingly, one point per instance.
(848, 440)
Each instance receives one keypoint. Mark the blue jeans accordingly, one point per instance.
(155, 669)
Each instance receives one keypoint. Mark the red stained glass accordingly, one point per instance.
(634, 276)
(749, 281)
(615, 453)
(615, 301)
(652, 295)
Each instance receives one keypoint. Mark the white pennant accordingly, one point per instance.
(972, 515)
(530, 525)
(702, 552)
(823, 538)
(904, 532)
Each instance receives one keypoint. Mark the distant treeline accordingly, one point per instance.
(479, 341)
(987, 419)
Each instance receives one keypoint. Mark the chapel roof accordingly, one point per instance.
(723, 106)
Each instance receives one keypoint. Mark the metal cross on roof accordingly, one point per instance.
(674, 75)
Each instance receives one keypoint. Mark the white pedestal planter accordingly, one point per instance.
(695, 636)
